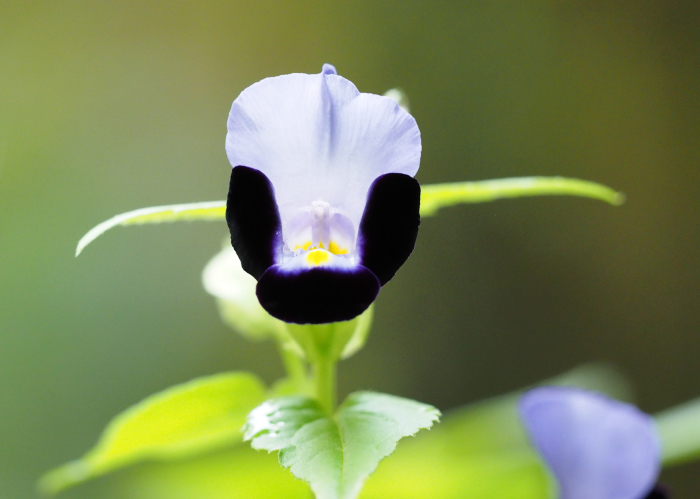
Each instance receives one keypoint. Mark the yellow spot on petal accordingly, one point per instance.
(317, 256)
(304, 246)
(335, 249)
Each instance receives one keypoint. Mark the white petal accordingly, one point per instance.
(318, 137)
(223, 277)
(234, 288)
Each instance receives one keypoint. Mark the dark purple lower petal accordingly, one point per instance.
(253, 220)
(659, 492)
(389, 225)
(318, 295)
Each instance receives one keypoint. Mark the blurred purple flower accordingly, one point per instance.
(322, 207)
(596, 447)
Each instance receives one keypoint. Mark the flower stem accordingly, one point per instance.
(679, 429)
(294, 365)
(324, 374)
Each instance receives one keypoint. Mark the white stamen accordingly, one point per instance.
(320, 230)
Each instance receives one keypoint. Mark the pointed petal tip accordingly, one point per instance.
(328, 69)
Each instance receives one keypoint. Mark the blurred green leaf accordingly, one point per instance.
(437, 196)
(335, 455)
(420, 468)
(211, 210)
(203, 414)
(479, 452)
(237, 473)
(679, 428)
(400, 97)
(596, 377)
(242, 473)
(421, 472)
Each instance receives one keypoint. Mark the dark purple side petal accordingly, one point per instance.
(389, 225)
(317, 296)
(253, 220)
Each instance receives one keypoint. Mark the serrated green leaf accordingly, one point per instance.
(336, 454)
(203, 414)
(436, 196)
(679, 429)
(414, 471)
(211, 210)
(242, 473)
(474, 453)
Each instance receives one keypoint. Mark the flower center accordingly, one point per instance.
(319, 230)
(317, 257)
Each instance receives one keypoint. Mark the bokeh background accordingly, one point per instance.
(111, 106)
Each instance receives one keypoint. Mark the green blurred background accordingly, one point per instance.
(111, 106)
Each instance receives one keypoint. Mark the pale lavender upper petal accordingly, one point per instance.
(318, 137)
(329, 69)
(596, 447)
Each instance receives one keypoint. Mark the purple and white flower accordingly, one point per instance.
(322, 207)
(595, 447)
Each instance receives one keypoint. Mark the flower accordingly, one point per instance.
(322, 206)
(596, 447)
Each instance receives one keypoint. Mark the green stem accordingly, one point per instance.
(679, 428)
(293, 364)
(436, 196)
(324, 374)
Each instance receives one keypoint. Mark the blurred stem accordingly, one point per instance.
(324, 379)
(679, 429)
(293, 364)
